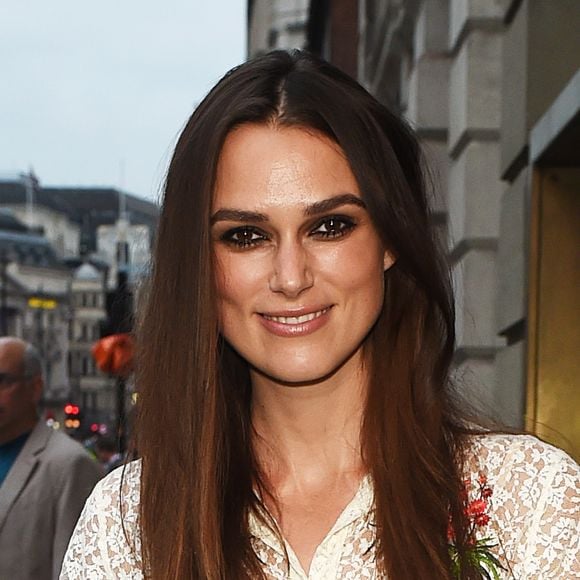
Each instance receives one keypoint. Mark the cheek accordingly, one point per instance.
(8, 400)
(356, 269)
(238, 279)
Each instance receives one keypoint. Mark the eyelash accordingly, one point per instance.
(342, 226)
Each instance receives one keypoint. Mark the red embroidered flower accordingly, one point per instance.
(479, 551)
(475, 508)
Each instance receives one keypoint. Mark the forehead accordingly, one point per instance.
(266, 166)
(11, 353)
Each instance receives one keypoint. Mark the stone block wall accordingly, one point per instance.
(475, 48)
(541, 53)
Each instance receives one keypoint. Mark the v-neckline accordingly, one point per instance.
(360, 504)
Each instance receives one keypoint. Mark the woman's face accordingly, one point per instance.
(299, 263)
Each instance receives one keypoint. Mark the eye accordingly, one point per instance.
(333, 227)
(243, 237)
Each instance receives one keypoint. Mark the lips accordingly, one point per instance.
(297, 319)
(295, 323)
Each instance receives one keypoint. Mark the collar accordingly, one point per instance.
(359, 506)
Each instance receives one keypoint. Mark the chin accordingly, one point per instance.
(298, 373)
(294, 379)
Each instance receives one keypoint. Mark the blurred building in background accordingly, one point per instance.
(62, 251)
(107, 217)
(89, 387)
(34, 305)
(492, 88)
(276, 23)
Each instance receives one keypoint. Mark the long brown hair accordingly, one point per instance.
(194, 430)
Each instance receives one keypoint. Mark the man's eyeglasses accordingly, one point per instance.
(8, 379)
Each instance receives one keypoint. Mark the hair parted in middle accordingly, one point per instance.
(194, 432)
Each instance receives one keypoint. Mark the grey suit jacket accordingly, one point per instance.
(40, 502)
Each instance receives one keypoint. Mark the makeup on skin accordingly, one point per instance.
(299, 263)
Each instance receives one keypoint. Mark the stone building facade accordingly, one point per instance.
(58, 260)
(89, 386)
(492, 89)
(34, 301)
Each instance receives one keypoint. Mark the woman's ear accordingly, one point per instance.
(388, 260)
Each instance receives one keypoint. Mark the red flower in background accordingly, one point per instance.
(114, 354)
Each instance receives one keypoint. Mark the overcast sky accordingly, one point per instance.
(95, 93)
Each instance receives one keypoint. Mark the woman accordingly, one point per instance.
(296, 417)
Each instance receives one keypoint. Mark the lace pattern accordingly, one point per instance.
(535, 518)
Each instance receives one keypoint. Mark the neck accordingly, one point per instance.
(306, 434)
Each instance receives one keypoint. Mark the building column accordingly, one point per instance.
(475, 45)
(541, 55)
(427, 98)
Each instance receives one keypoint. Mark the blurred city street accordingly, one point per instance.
(498, 118)
(90, 110)
(491, 89)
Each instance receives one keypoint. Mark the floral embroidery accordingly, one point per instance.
(535, 518)
(479, 551)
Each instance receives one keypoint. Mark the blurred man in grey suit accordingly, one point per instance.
(45, 476)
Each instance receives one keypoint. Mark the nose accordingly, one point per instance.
(291, 272)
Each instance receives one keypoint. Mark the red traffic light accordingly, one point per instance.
(71, 409)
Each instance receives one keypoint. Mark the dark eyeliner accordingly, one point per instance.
(347, 225)
(228, 237)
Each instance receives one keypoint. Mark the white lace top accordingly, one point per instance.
(534, 511)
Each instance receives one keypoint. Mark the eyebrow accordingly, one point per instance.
(316, 208)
